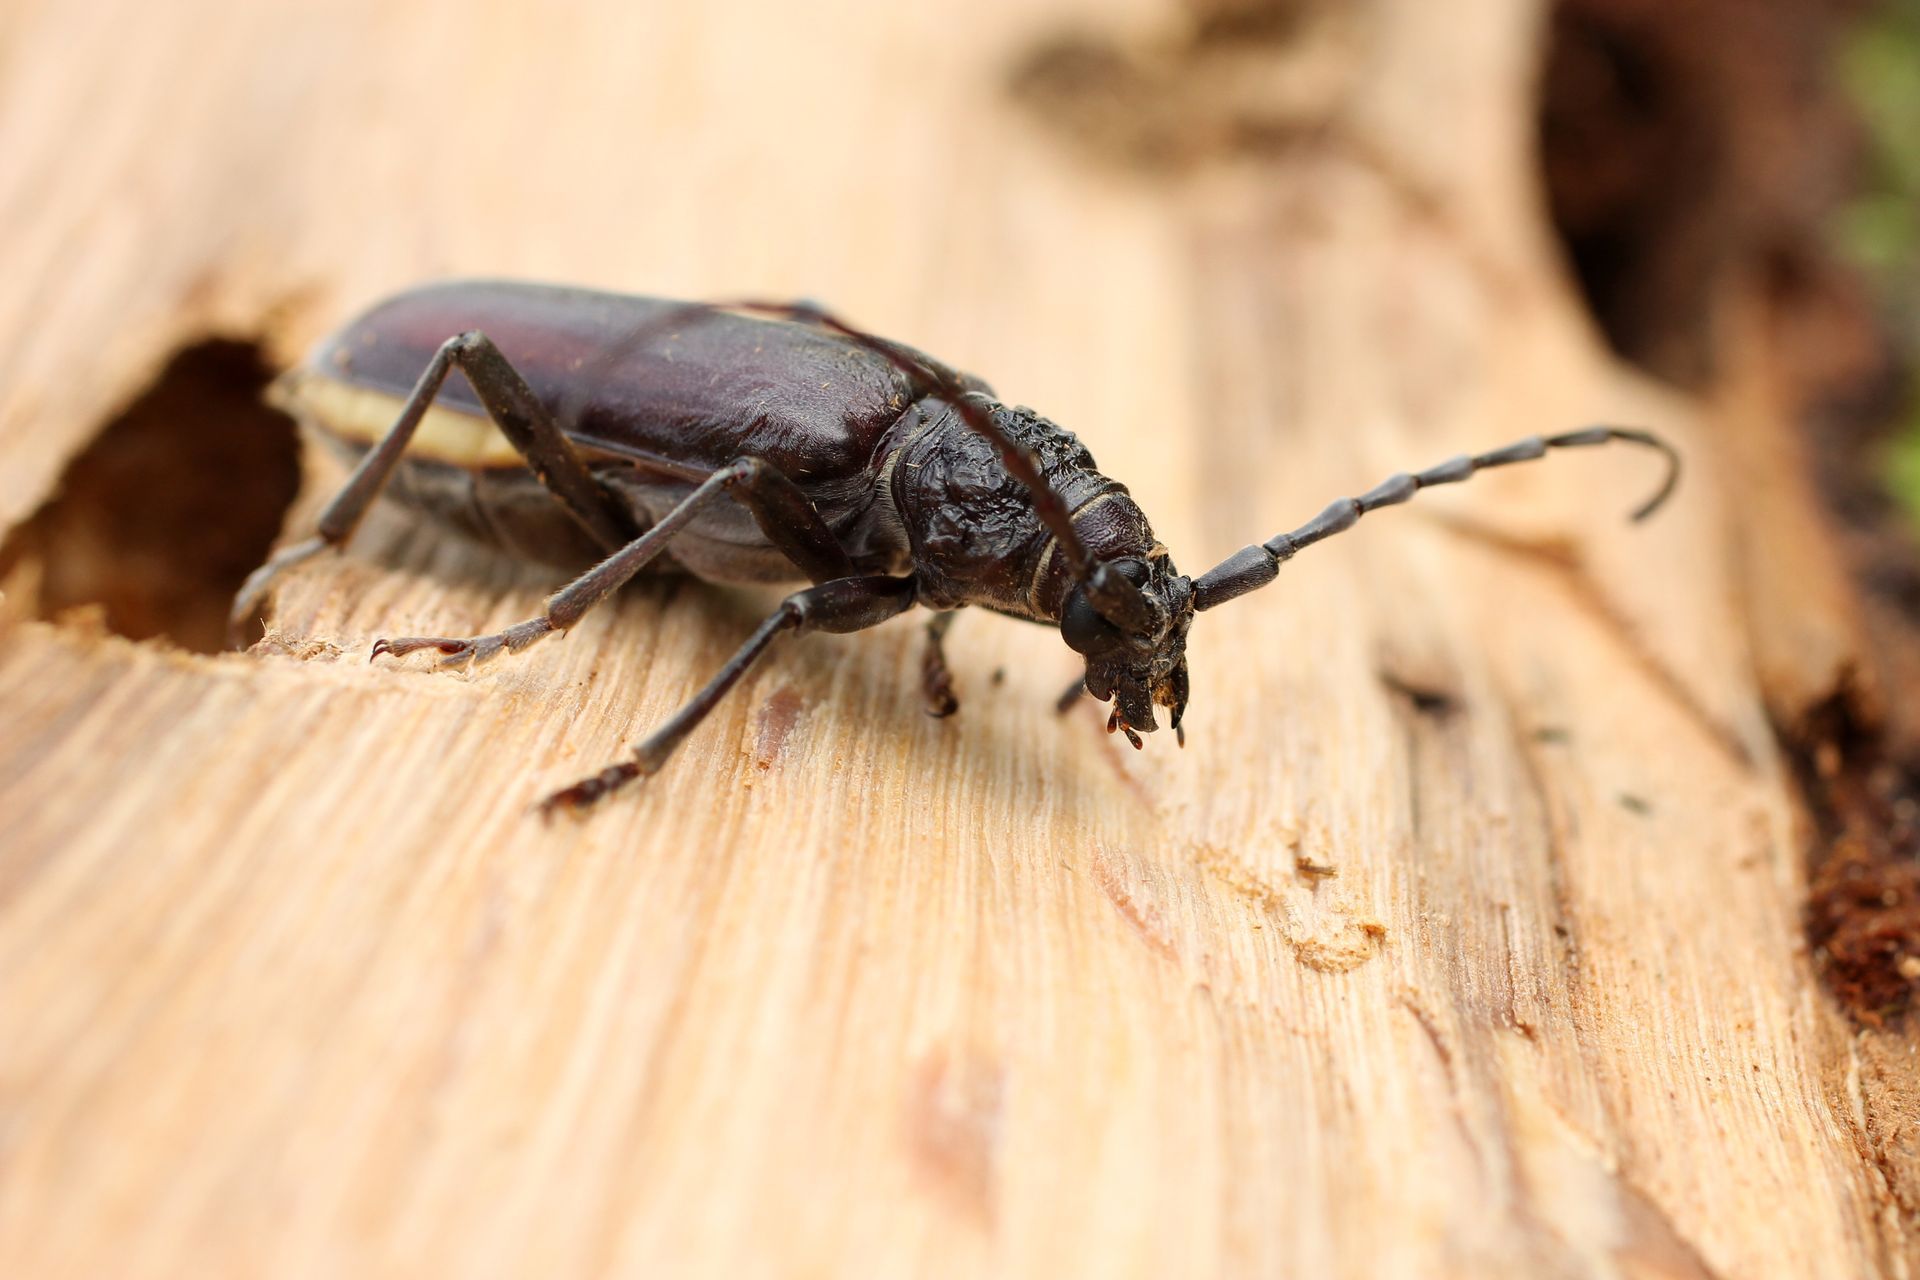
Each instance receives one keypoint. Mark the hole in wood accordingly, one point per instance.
(170, 507)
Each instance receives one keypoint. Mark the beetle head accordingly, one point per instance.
(1129, 620)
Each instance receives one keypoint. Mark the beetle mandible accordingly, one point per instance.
(881, 475)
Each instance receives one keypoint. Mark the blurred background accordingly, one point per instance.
(1880, 226)
(1678, 137)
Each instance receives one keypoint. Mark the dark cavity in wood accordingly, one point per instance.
(160, 519)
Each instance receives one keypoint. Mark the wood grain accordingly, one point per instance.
(1462, 940)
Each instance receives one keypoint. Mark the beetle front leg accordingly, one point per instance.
(1070, 696)
(850, 604)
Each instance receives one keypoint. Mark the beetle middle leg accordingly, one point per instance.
(522, 419)
(776, 503)
(847, 604)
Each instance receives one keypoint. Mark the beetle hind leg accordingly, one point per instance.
(522, 419)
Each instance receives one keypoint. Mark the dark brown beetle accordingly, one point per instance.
(879, 474)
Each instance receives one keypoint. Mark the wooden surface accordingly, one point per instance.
(291, 984)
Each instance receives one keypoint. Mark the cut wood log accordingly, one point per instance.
(1465, 937)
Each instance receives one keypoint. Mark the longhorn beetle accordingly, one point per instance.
(881, 475)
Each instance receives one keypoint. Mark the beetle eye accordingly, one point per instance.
(1082, 627)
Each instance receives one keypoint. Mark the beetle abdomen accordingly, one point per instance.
(654, 395)
(626, 375)
(358, 416)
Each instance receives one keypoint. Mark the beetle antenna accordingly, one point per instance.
(1254, 567)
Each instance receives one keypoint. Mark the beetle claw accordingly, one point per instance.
(413, 644)
(468, 652)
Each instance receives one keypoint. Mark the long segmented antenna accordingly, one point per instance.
(1254, 567)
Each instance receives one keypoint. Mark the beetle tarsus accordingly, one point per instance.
(938, 691)
(936, 681)
(587, 792)
(471, 651)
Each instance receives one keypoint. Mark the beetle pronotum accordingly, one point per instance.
(755, 442)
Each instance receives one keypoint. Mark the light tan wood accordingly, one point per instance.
(292, 984)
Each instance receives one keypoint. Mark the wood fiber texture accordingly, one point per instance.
(1463, 939)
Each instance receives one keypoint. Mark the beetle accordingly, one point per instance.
(884, 477)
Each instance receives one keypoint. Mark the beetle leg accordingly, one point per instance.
(514, 408)
(849, 604)
(1070, 696)
(530, 428)
(777, 505)
(789, 520)
(936, 682)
